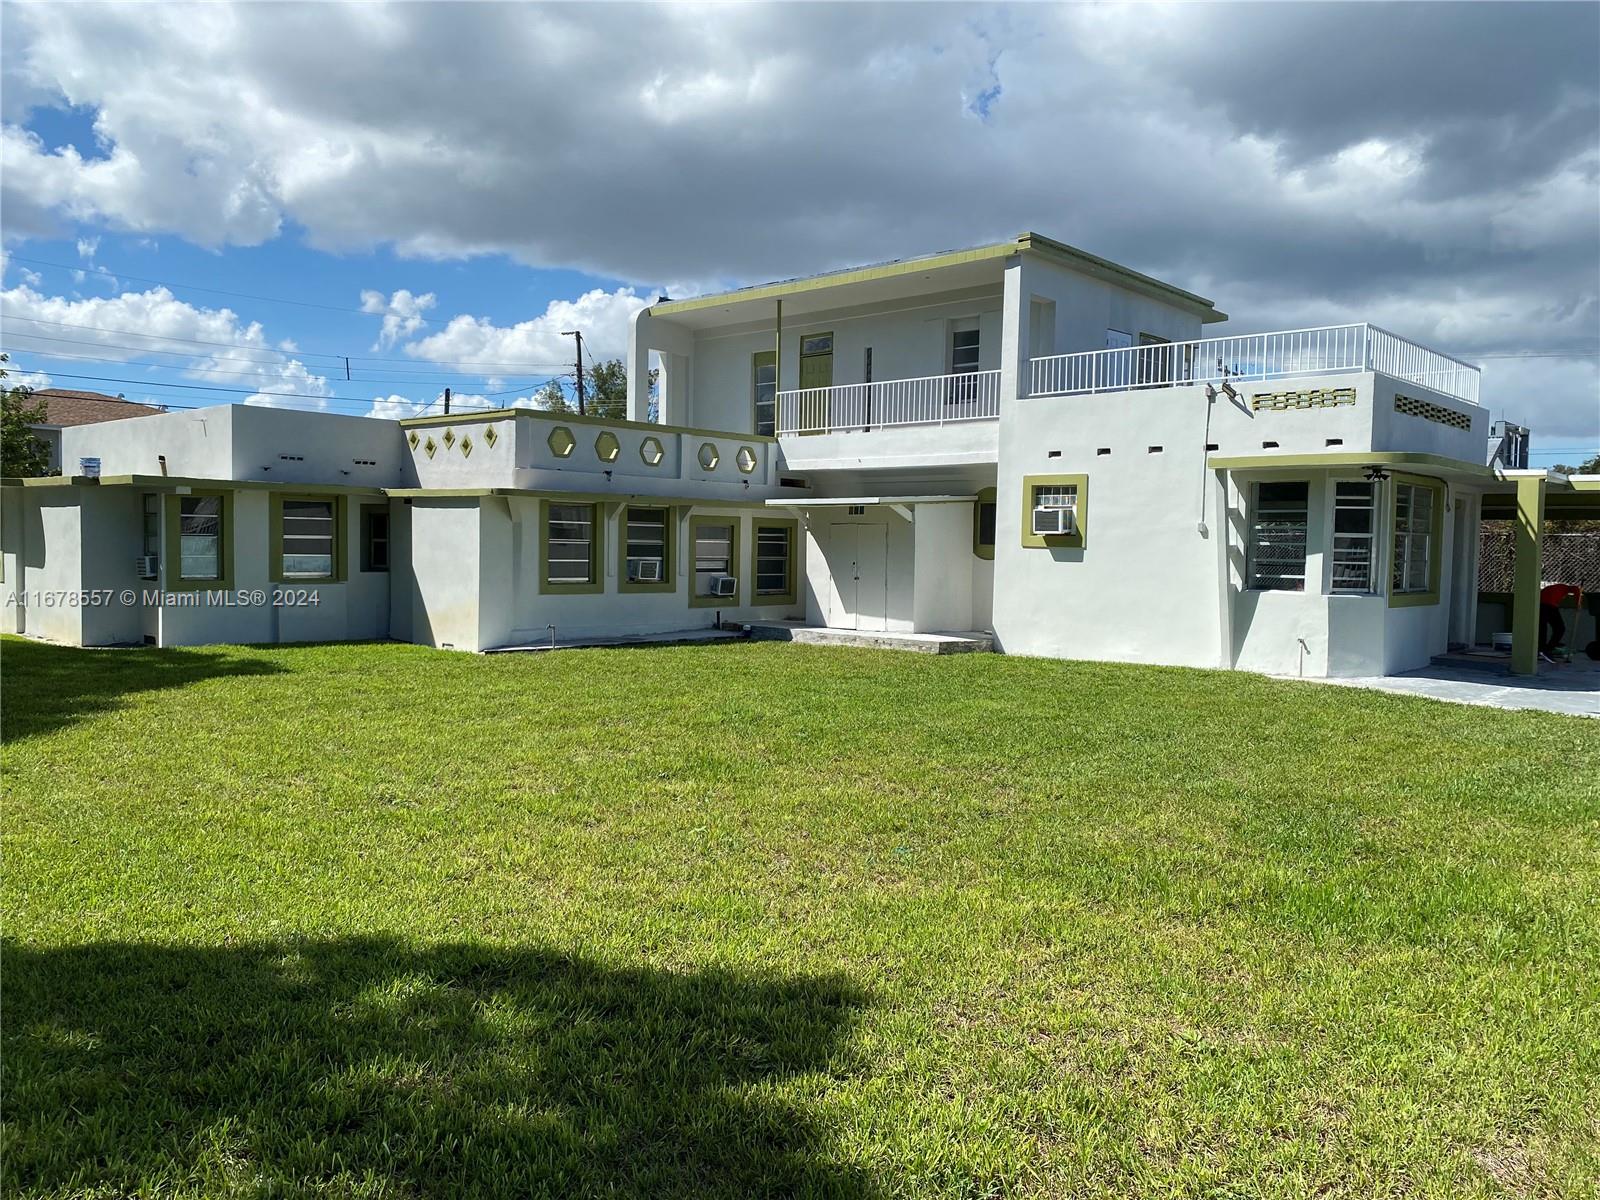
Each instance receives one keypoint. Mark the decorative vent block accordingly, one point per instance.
(606, 446)
(1412, 407)
(651, 452)
(1290, 401)
(745, 459)
(561, 441)
(466, 447)
(449, 438)
(430, 447)
(490, 437)
(710, 456)
(414, 440)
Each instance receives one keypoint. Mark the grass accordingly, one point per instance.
(767, 919)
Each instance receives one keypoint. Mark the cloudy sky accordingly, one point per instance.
(204, 199)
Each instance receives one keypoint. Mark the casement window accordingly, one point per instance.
(200, 534)
(570, 537)
(775, 562)
(1413, 538)
(374, 538)
(647, 548)
(764, 386)
(715, 542)
(1355, 537)
(308, 539)
(1276, 552)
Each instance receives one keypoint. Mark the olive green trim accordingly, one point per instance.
(579, 497)
(173, 553)
(364, 532)
(792, 596)
(1036, 541)
(158, 482)
(341, 516)
(669, 563)
(1435, 537)
(597, 583)
(1528, 574)
(476, 418)
(1348, 458)
(1584, 483)
(985, 496)
(758, 360)
(1093, 264)
(734, 562)
(562, 418)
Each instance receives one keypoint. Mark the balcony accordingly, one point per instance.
(931, 400)
(1258, 356)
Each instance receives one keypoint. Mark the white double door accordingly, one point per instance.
(858, 558)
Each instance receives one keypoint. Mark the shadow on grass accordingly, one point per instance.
(44, 688)
(367, 1066)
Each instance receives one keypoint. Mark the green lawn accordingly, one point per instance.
(763, 919)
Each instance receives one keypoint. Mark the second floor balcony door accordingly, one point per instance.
(962, 391)
(816, 375)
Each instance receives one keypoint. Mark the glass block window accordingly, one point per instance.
(200, 537)
(1276, 550)
(713, 554)
(1355, 540)
(646, 557)
(569, 543)
(1413, 537)
(774, 555)
(308, 538)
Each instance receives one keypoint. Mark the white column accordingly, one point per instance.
(639, 366)
(1015, 330)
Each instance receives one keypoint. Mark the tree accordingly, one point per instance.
(23, 453)
(551, 398)
(1590, 466)
(606, 389)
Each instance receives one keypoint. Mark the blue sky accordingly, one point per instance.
(480, 177)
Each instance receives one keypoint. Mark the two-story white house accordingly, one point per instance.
(1021, 439)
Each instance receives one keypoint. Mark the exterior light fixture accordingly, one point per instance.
(1376, 474)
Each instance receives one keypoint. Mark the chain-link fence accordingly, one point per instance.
(1568, 558)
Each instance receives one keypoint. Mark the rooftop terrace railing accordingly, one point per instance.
(1329, 350)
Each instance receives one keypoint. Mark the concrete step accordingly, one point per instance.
(965, 642)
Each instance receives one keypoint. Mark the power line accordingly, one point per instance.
(201, 387)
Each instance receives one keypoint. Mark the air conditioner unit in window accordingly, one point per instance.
(724, 585)
(147, 564)
(1053, 522)
(647, 570)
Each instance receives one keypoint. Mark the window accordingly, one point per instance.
(374, 538)
(715, 542)
(774, 565)
(1277, 546)
(1056, 495)
(569, 544)
(963, 362)
(152, 525)
(1155, 360)
(646, 549)
(1355, 541)
(764, 384)
(308, 539)
(1413, 538)
(1054, 491)
(983, 522)
(200, 537)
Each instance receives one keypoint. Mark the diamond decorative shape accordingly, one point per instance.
(746, 459)
(466, 447)
(490, 437)
(449, 438)
(414, 439)
(651, 452)
(561, 441)
(606, 446)
(710, 456)
(430, 447)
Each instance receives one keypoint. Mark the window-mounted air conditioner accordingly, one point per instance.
(724, 585)
(146, 566)
(1050, 521)
(647, 570)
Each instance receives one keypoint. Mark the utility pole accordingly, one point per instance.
(447, 402)
(578, 334)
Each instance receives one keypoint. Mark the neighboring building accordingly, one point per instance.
(1020, 438)
(65, 408)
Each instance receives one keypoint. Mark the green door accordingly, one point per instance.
(816, 371)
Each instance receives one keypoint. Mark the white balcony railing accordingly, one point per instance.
(1256, 356)
(931, 400)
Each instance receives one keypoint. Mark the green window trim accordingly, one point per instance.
(1039, 541)
(990, 496)
(695, 525)
(341, 513)
(173, 565)
(596, 583)
(1435, 535)
(792, 596)
(368, 512)
(669, 564)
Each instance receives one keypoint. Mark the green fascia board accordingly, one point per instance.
(641, 499)
(669, 565)
(160, 482)
(734, 562)
(574, 419)
(1435, 537)
(1350, 458)
(792, 596)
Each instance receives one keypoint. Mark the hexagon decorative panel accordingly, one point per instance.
(746, 459)
(490, 437)
(466, 447)
(650, 450)
(561, 441)
(430, 447)
(449, 438)
(414, 439)
(606, 446)
(710, 456)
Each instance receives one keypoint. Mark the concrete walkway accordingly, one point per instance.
(1569, 688)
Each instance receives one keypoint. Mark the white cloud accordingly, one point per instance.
(402, 314)
(87, 246)
(537, 345)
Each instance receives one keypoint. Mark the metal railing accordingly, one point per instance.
(930, 400)
(1257, 356)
